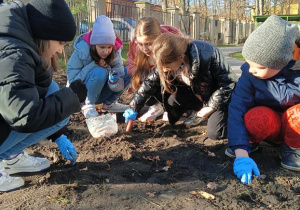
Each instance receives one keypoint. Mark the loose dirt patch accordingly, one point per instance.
(155, 166)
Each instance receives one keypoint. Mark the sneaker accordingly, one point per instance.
(290, 158)
(230, 153)
(193, 120)
(165, 117)
(115, 107)
(8, 183)
(24, 163)
(154, 111)
(89, 111)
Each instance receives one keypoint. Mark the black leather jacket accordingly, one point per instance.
(210, 75)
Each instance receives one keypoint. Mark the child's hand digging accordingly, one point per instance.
(130, 116)
(243, 168)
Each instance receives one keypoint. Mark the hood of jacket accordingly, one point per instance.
(14, 24)
(15, 39)
(82, 48)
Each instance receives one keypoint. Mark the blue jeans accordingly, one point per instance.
(16, 142)
(98, 90)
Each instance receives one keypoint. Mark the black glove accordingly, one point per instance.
(79, 88)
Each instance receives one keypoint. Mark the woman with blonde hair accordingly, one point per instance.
(194, 75)
(140, 60)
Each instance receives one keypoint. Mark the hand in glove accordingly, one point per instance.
(129, 114)
(113, 76)
(243, 168)
(66, 148)
(79, 88)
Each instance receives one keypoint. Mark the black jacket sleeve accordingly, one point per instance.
(148, 88)
(225, 79)
(22, 107)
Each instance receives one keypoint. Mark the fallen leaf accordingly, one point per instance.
(169, 162)
(263, 176)
(151, 194)
(212, 185)
(203, 194)
(206, 195)
(193, 192)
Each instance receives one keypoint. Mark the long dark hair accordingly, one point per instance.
(95, 57)
(43, 46)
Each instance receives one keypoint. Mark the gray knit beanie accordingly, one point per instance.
(272, 43)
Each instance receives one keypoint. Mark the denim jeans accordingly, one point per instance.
(98, 90)
(16, 142)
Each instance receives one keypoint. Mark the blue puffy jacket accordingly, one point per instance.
(81, 63)
(278, 93)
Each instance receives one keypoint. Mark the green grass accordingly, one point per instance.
(237, 55)
(61, 63)
(125, 51)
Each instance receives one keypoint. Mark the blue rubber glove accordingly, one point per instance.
(243, 168)
(66, 148)
(129, 114)
(113, 76)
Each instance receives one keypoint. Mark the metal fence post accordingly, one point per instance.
(196, 26)
(96, 8)
(174, 17)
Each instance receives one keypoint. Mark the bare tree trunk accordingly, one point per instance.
(206, 9)
(274, 7)
(261, 7)
(267, 7)
(230, 9)
(257, 7)
(225, 8)
(182, 7)
(288, 9)
(215, 7)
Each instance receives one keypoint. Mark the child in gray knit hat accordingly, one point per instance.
(265, 105)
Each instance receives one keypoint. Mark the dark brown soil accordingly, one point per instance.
(128, 171)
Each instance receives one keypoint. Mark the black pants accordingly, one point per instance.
(184, 99)
(181, 101)
(217, 125)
